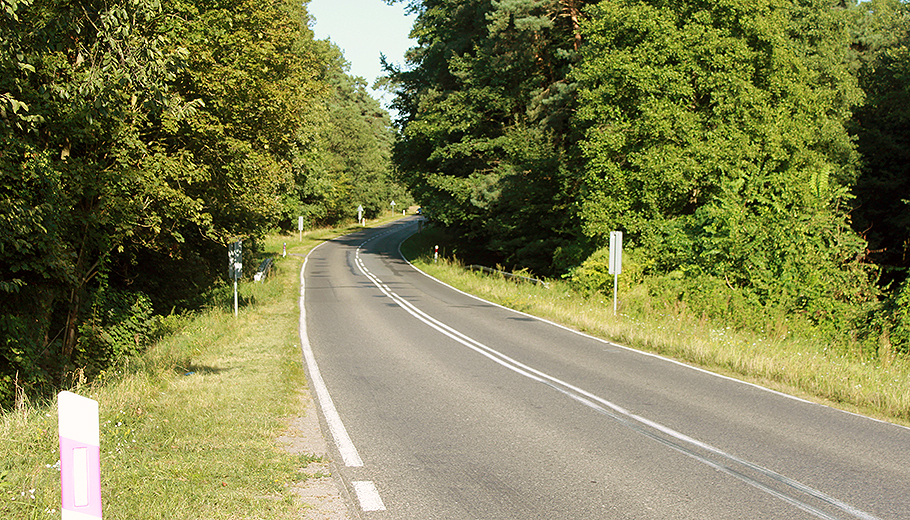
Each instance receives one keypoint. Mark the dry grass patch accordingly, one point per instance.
(806, 368)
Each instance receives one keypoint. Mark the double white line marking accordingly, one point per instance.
(775, 484)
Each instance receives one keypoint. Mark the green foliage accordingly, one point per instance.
(882, 129)
(880, 212)
(351, 162)
(684, 102)
(253, 73)
(484, 143)
(35, 264)
(118, 325)
(83, 179)
(139, 137)
(593, 275)
(900, 333)
(715, 134)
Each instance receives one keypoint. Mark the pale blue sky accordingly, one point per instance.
(363, 29)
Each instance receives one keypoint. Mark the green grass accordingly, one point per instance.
(802, 366)
(189, 429)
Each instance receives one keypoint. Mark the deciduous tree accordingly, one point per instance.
(715, 134)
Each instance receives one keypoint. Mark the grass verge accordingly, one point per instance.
(189, 429)
(804, 367)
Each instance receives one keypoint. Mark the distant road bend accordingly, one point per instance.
(443, 406)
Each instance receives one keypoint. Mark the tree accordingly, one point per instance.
(351, 164)
(715, 135)
(81, 81)
(137, 139)
(882, 127)
(485, 144)
(881, 211)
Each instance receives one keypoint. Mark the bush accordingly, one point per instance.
(120, 325)
(593, 275)
(898, 314)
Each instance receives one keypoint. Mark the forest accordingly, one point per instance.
(753, 152)
(138, 138)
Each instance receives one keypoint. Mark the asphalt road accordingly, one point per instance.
(449, 407)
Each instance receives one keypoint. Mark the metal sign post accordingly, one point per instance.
(615, 262)
(80, 457)
(235, 267)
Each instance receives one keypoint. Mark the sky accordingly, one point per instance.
(363, 29)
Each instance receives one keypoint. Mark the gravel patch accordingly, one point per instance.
(321, 493)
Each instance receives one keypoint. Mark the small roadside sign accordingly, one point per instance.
(615, 263)
(235, 260)
(235, 267)
(615, 252)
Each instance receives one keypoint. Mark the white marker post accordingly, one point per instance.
(615, 262)
(360, 215)
(300, 229)
(436, 253)
(235, 267)
(80, 457)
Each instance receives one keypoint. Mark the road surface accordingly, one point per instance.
(443, 406)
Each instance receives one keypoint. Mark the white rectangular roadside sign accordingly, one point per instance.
(615, 262)
(615, 252)
(80, 457)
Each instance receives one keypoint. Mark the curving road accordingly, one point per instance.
(442, 406)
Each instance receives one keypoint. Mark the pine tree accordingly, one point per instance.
(485, 143)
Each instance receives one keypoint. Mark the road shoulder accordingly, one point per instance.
(321, 492)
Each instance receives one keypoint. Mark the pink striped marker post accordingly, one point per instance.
(80, 457)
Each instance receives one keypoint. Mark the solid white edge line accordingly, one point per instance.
(587, 398)
(368, 495)
(580, 394)
(332, 418)
(642, 352)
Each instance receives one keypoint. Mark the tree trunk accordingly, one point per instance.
(574, 13)
(72, 315)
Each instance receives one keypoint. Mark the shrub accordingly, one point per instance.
(899, 311)
(593, 275)
(120, 325)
